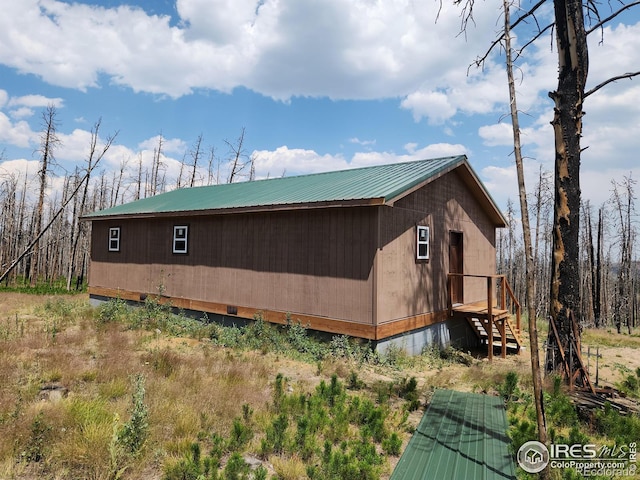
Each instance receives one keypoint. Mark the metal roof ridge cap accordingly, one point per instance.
(440, 172)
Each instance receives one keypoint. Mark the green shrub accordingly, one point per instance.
(408, 391)
(521, 432)
(624, 429)
(392, 445)
(561, 411)
(354, 383)
(275, 436)
(241, 434)
(236, 468)
(630, 384)
(509, 388)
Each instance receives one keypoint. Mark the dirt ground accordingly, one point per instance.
(619, 356)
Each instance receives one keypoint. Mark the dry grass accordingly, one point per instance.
(193, 389)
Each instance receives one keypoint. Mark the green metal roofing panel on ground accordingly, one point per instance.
(462, 436)
(382, 183)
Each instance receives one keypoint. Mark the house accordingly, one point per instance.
(365, 252)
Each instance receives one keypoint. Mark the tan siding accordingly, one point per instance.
(408, 288)
(275, 261)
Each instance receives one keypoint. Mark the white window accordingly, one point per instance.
(180, 238)
(422, 243)
(114, 239)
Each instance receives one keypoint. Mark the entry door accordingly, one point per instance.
(456, 266)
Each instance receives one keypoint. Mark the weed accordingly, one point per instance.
(164, 361)
(408, 389)
(113, 389)
(354, 383)
(37, 444)
(508, 390)
(278, 392)
(115, 310)
(134, 433)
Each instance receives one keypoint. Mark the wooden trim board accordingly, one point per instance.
(323, 324)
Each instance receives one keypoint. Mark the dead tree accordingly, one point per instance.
(94, 156)
(213, 168)
(541, 253)
(591, 266)
(597, 291)
(157, 166)
(623, 203)
(530, 283)
(196, 153)
(48, 143)
(238, 157)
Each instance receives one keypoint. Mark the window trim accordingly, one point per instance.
(114, 247)
(419, 242)
(176, 239)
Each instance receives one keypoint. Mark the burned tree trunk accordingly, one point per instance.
(573, 62)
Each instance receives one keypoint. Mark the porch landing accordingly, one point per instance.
(495, 321)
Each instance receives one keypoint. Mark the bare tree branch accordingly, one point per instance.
(611, 80)
(613, 15)
(533, 39)
(499, 40)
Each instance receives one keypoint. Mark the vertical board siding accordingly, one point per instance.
(407, 287)
(316, 262)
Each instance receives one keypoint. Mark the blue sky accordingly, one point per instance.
(317, 85)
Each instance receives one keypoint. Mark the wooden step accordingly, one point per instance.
(513, 339)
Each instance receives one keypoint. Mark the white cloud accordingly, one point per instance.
(281, 48)
(35, 101)
(364, 143)
(295, 161)
(18, 134)
(283, 160)
(433, 105)
(22, 112)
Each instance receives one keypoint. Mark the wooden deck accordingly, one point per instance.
(495, 320)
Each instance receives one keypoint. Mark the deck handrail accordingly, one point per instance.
(505, 289)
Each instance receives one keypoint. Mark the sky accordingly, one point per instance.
(316, 85)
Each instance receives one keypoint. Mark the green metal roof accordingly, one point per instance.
(360, 186)
(461, 436)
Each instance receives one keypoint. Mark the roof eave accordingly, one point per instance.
(483, 196)
(361, 202)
